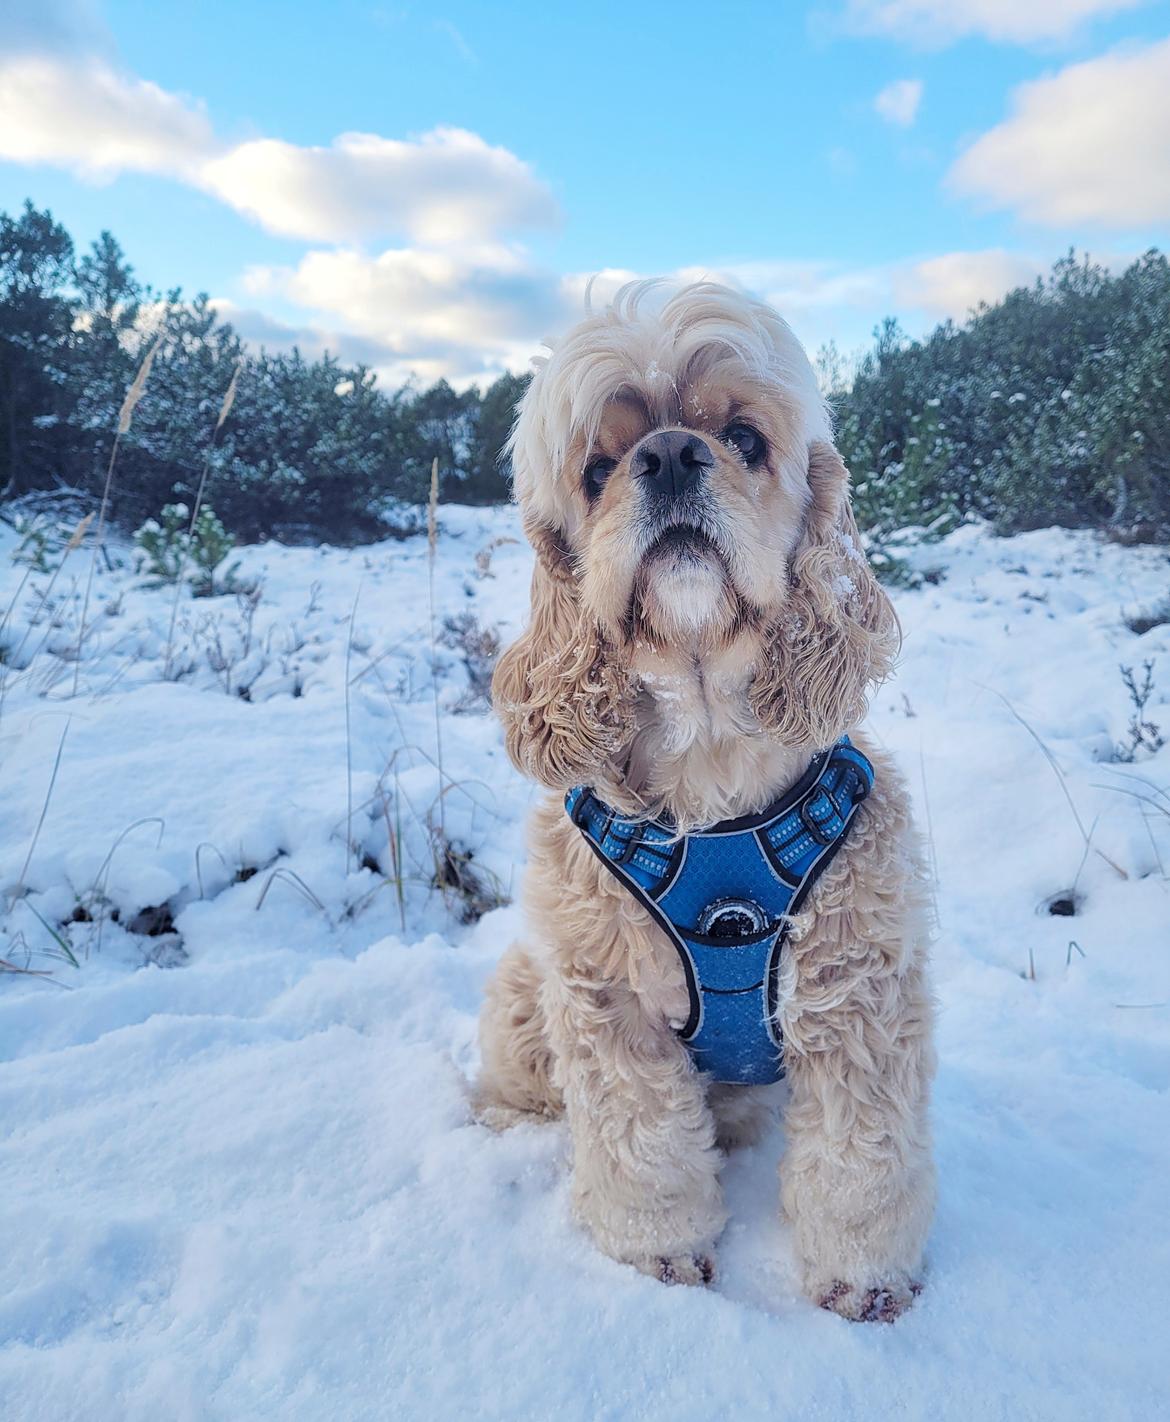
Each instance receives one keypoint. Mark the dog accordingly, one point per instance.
(704, 628)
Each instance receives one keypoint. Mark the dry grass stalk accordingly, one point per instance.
(432, 546)
(76, 538)
(225, 410)
(21, 886)
(483, 559)
(229, 398)
(7, 967)
(349, 844)
(125, 415)
(137, 386)
(1086, 835)
(284, 875)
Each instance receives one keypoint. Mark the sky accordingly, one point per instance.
(429, 190)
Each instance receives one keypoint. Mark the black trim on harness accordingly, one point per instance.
(776, 808)
(746, 940)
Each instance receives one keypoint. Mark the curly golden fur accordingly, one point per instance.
(690, 645)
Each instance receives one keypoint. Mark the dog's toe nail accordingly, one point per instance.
(706, 1268)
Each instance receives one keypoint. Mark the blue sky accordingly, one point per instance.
(847, 159)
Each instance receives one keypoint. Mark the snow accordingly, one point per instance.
(238, 1173)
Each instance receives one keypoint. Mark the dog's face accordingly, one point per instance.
(688, 501)
(676, 475)
(668, 449)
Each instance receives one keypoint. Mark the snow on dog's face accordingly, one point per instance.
(673, 462)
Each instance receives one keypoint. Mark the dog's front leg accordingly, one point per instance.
(858, 1177)
(645, 1164)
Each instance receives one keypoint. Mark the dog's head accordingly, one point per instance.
(674, 466)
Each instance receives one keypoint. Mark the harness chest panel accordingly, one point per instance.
(725, 897)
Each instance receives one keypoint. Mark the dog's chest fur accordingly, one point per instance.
(700, 754)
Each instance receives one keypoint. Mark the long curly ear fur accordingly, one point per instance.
(837, 635)
(565, 703)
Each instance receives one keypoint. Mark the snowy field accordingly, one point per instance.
(238, 1174)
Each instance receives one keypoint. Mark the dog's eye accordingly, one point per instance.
(748, 442)
(597, 471)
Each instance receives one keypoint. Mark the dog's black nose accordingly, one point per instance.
(672, 462)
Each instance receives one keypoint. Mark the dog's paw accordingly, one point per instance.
(678, 1268)
(499, 1117)
(878, 1305)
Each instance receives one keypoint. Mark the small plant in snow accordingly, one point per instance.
(480, 647)
(467, 888)
(41, 544)
(176, 548)
(1144, 735)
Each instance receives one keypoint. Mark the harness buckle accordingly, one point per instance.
(808, 819)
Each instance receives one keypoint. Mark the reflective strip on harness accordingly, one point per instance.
(725, 896)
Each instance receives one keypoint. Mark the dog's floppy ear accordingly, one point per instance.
(837, 635)
(565, 703)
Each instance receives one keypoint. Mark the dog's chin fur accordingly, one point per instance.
(692, 674)
(683, 595)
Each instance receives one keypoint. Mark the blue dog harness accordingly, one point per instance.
(725, 897)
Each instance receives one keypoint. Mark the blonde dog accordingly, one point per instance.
(703, 625)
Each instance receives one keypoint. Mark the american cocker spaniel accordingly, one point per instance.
(726, 865)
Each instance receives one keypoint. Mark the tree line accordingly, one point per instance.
(1050, 406)
(313, 448)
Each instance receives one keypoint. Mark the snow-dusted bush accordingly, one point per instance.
(1051, 407)
(178, 548)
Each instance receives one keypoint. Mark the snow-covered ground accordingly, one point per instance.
(238, 1173)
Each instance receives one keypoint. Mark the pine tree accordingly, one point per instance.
(36, 317)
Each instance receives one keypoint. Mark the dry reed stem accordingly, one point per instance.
(76, 538)
(229, 398)
(432, 545)
(225, 410)
(125, 415)
(349, 844)
(137, 386)
(20, 884)
(1086, 835)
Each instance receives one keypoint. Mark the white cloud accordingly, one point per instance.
(446, 186)
(898, 102)
(87, 117)
(829, 301)
(954, 284)
(1088, 144)
(463, 312)
(933, 22)
(467, 314)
